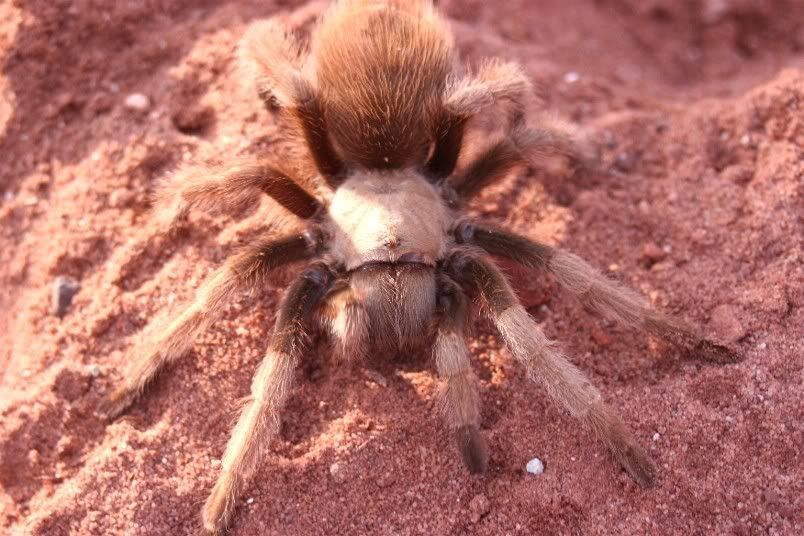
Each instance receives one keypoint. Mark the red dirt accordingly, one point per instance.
(698, 105)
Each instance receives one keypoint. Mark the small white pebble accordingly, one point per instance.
(250, 500)
(613, 267)
(215, 462)
(571, 77)
(94, 370)
(137, 102)
(535, 467)
(656, 436)
(337, 472)
(746, 139)
(26, 373)
(762, 345)
(164, 460)
(8, 196)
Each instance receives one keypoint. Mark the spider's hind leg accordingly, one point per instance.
(241, 272)
(260, 417)
(276, 60)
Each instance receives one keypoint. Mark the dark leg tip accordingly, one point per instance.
(115, 404)
(472, 448)
(716, 353)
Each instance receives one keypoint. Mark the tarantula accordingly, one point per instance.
(380, 108)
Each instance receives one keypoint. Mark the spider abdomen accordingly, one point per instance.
(382, 68)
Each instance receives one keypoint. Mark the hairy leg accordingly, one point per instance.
(495, 82)
(598, 293)
(231, 186)
(460, 402)
(243, 271)
(345, 317)
(523, 146)
(546, 365)
(259, 419)
(275, 58)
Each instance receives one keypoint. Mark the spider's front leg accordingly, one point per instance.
(595, 291)
(460, 402)
(546, 365)
(245, 270)
(259, 420)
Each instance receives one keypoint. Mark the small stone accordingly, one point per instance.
(738, 174)
(652, 253)
(571, 77)
(70, 385)
(376, 377)
(656, 436)
(121, 197)
(215, 462)
(644, 207)
(93, 370)
(137, 102)
(624, 162)
(479, 506)
(250, 500)
(337, 473)
(66, 446)
(726, 325)
(61, 296)
(33, 457)
(193, 119)
(386, 480)
(535, 467)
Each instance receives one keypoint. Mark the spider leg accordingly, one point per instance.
(522, 146)
(244, 271)
(494, 83)
(546, 365)
(460, 402)
(276, 59)
(259, 419)
(229, 187)
(346, 319)
(598, 293)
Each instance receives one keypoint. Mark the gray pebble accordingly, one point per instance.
(61, 295)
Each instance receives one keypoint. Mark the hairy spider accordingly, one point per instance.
(380, 110)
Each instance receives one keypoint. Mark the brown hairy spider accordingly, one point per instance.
(380, 110)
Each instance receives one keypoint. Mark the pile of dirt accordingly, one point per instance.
(698, 108)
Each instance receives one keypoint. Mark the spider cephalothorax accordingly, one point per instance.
(392, 262)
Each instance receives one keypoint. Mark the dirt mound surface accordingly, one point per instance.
(699, 108)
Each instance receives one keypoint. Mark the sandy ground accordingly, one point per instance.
(698, 107)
